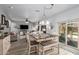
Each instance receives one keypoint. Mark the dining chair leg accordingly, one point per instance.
(28, 50)
(39, 49)
(58, 49)
(43, 51)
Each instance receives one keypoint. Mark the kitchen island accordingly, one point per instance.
(4, 44)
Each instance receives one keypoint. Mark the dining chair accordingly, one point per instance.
(31, 44)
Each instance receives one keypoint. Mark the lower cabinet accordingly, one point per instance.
(6, 44)
(1, 46)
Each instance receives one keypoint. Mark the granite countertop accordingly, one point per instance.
(2, 37)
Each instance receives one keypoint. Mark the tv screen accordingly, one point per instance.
(23, 26)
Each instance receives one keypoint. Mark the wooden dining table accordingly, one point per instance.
(43, 37)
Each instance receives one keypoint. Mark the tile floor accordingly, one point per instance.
(19, 48)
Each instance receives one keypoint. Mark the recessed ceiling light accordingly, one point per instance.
(11, 7)
(26, 20)
(37, 10)
(50, 6)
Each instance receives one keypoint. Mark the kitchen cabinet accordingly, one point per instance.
(1, 46)
(4, 45)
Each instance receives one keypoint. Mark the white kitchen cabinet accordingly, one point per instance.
(6, 44)
(1, 46)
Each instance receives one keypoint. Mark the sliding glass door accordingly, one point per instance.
(72, 34)
(69, 34)
(62, 33)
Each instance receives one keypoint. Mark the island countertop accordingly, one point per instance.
(2, 37)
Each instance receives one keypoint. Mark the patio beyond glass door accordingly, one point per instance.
(72, 34)
(69, 34)
(62, 33)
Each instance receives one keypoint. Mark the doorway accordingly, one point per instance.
(69, 33)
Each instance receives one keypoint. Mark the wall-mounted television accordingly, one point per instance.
(24, 26)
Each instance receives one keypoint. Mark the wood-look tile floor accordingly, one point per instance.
(20, 48)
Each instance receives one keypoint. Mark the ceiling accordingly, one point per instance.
(33, 11)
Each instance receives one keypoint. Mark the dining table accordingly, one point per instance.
(43, 37)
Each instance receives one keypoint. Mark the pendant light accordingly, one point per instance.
(26, 20)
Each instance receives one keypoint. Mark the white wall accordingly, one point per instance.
(13, 27)
(65, 16)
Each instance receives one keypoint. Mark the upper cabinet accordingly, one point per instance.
(4, 22)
